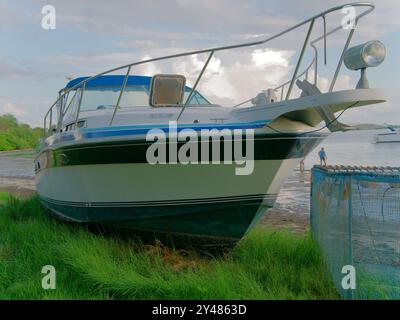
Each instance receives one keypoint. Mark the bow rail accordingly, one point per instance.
(63, 95)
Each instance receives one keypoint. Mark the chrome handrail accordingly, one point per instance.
(314, 61)
(248, 44)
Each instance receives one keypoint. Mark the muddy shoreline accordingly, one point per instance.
(19, 186)
(276, 219)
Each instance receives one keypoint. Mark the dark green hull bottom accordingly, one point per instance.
(215, 223)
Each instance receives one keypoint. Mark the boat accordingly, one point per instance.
(153, 155)
(392, 136)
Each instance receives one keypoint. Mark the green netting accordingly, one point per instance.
(355, 217)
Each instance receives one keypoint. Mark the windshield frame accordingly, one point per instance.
(197, 98)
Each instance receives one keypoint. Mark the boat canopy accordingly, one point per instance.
(112, 81)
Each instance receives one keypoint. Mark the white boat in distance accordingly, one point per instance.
(392, 136)
(93, 164)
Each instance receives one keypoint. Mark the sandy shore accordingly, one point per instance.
(276, 219)
(22, 187)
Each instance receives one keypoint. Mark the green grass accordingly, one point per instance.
(4, 196)
(265, 265)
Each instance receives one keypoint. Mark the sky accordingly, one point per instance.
(94, 35)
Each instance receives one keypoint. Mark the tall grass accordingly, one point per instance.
(3, 196)
(266, 264)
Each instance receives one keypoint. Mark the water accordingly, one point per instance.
(347, 148)
(17, 164)
(355, 148)
(342, 148)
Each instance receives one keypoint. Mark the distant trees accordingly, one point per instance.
(14, 135)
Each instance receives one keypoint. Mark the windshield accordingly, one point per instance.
(137, 95)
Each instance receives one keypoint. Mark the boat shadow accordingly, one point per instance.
(184, 244)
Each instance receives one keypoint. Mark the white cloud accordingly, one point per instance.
(229, 77)
(264, 57)
(9, 107)
(232, 80)
(26, 110)
(343, 82)
(148, 69)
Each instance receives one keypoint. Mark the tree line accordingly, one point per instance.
(15, 135)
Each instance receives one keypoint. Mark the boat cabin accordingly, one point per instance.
(101, 95)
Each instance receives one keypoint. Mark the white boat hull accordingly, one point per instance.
(146, 183)
(199, 200)
(388, 137)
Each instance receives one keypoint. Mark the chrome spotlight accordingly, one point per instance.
(363, 56)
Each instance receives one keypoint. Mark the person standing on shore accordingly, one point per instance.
(302, 165)
(322, 156)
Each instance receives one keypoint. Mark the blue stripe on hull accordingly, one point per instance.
(110, 132)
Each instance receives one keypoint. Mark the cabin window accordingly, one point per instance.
(106, 98)
(71, 126)
(72, 104)
(197, 98)
(167, 90)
